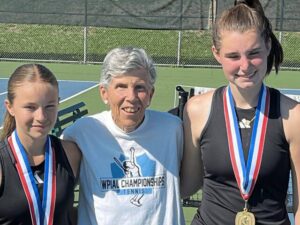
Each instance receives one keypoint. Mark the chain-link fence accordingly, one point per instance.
(90, 44)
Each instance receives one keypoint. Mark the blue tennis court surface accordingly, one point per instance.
(67, 90)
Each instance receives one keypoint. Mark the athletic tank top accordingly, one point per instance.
(221, 198)
(14, 208)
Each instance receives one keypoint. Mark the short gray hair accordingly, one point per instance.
(124, 60)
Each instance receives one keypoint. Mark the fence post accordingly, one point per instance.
(179, 48)
(85, 33)
(281, 20)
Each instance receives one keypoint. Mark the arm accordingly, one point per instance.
(194, 119)
(291, 122)
(74, 155)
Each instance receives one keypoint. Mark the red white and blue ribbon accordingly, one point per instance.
(246, 175)
(42, 212)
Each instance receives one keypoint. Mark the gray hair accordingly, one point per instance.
(120, 61)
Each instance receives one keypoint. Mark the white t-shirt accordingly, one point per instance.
(129, 178)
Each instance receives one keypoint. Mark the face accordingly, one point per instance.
(128, 96)
(34, 109)
(243, 57)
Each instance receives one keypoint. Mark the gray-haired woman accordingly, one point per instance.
(131, 155)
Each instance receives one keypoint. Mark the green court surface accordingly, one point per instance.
(167, 79)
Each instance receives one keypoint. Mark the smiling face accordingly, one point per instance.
(34, 108)
(128, 96)
(243, 57)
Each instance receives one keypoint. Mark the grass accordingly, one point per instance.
(167, 80)
(57, 42)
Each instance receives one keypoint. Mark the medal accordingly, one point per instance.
(244, 218)
(246, 173)
(41, 212)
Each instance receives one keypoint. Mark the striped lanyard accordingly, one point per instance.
(41, 213)
(246, 174)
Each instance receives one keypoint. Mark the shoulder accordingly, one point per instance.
(73, 154)
(199, 105)
(91, 119)
(3, 145)
(196, 115)
(84, 123)
(71, 151)
(289, 107)
(290, 112)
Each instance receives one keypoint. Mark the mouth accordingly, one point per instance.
(247, 76)
(39, 126)
(131, 109)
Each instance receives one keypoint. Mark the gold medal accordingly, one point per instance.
(245, 218)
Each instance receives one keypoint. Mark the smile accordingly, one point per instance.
(249, 76)
(130, 110)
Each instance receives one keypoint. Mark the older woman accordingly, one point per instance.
(131, 156)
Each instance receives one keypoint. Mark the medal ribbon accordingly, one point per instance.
(246, 175)
(42, 213)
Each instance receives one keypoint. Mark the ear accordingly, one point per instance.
(152, 93)
(216, 54)
(103, 94)
(9, 107)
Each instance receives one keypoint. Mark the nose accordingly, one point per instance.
(131, 94)
(40, 114)
(244, 63)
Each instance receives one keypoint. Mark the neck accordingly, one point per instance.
(33, 147)
(245, 98)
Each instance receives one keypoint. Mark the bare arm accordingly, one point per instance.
(194, 119)
(74, 155)
(291, 122)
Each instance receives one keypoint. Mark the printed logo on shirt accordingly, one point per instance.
(133, 176)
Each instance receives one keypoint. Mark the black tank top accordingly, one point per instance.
(14, 208)
(221, 199)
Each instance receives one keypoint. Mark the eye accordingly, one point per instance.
(30, 107)
(121, 86)
(232, 56)
(254, 53)
(140, 87)
(52, 106)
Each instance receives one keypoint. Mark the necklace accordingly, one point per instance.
(244, 123)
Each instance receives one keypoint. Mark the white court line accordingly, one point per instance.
(79, 93)
(3, 93)
(79, 81)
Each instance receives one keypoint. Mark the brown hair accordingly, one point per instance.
(246, 15)
(26, 72)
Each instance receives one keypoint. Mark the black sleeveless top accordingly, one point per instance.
(221, 199)
(14, 208)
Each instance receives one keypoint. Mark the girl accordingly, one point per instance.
(242, 140)
(37, 170)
